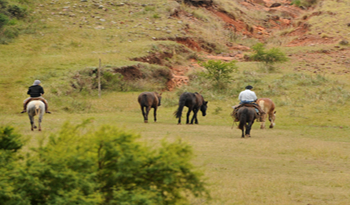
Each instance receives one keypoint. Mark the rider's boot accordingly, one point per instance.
(46, 107)
(25, 106)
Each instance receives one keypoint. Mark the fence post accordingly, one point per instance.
(99, 78)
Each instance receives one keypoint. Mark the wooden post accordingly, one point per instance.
(99, 78)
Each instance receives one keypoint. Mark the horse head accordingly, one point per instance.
(272, 119)
(204, 108)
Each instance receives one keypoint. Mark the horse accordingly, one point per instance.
(246, 116)
(34, 108)
(194, 102)
(268, 106)
(148, 100)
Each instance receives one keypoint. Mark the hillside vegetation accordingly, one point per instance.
(161, 45)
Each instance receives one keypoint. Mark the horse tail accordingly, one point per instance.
(143, 99)
(178, 112)
(243, 118)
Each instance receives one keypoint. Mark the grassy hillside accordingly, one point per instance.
(301, 161)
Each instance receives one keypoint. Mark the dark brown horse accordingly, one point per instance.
(148, 100)
(246, 116)
(194, 102)
(268, 106)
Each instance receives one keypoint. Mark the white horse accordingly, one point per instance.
(35, 107)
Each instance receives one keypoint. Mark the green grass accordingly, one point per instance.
(303, 160)
(294, 163)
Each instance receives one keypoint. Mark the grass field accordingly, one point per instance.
(289, 164)
(303, 160)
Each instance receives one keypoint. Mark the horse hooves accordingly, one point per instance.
(179, 123)
(39, 130)
(35, 127)
(247, 135)
(146, 121)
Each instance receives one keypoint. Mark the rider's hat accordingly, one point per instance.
(249, 87)
(36, 82)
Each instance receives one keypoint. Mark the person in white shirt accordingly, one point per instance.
(248, 97)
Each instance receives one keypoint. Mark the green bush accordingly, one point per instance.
(9, 140)
(107, 166)
(306, 3)
(269, 57)
(17, 11)
(219, 72)
(3, 20)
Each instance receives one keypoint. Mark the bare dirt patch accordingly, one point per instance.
(130, 72)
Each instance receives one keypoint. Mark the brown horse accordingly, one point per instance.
(194, 102)
(148, 100)
(268, 106)
(246, 116)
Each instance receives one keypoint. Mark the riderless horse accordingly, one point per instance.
(194, 102)
(268, 106)
(148, 100)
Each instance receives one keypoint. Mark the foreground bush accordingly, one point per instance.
(107, 166)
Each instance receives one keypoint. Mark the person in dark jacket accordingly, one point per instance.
(36, 92)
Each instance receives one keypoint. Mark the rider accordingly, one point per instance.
(35, 91)
(248, 97)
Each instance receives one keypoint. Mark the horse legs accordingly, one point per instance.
(40, 118)
(32, 125)
(146, 115)
(195, 111)
(262, 125)
(155, 114)
(143, 114)
(248, 128)
(243, 132)
(188, 116)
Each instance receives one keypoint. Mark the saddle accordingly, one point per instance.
(258, 115)
(34, 98)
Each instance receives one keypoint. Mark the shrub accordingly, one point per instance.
(306, 3)
(219, 72)
(107, 166)
(9, 140)
(269, 57)
(17, 11)
(3, 20)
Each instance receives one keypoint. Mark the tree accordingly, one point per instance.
(269, 57)
(219, 72)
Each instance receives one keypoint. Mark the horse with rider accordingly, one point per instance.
(248, 98)
(36, 92)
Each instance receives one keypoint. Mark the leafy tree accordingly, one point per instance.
(219, 72)
(269, 57)
(107, 166)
